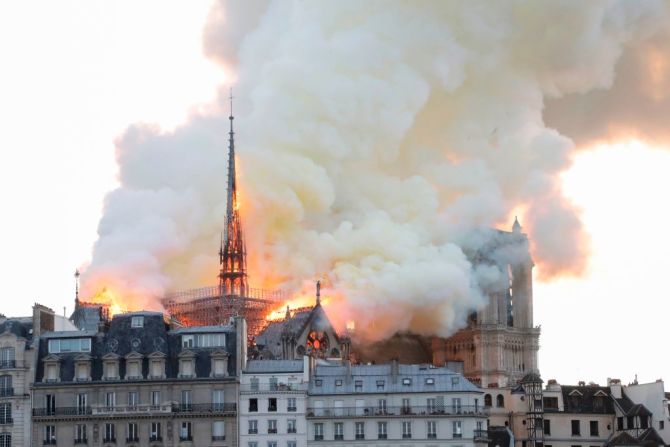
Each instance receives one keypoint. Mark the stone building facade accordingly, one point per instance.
(393, 404)
(273, 396)
(139, 382)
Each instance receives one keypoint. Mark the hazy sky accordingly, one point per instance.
(76, 73)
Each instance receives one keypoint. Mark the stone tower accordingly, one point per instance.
(500, 344)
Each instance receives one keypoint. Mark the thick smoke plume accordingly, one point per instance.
(372, 139)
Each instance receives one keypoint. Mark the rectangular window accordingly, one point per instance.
(380, 385)
(132, 433)
(253, 405)
(50, 404)
(455, 380)
(661, 425)
(431, 404)
(430, 381)
(252, 444)
(406, 430)
(110, 433)
(593, 428)
(218, 431)
(406, 407)
(550, 403)
(406, 381)
(382, 430)
(358, 386)
(291, 404)
(254, 384)
(381, 406)
(360, 430)
(6, 413)
(457, 429)
(203, 340)
(619, 423)
(291, 426)
(338, 431)
(360, 407)
(50, 434)
(291, 444)
(137, 322)
(186, 400)
(274, 384)
(338, 406)
(82, 403)
(185, 433)
(7, 358)
(456, 405)
(155, 433)
(547, 427)
(272, 404)
(575, 427)
(253, 427)
(630, 422)
(218, 398)
(80, 434)
(272, 426)
(272, 443)
(432, 430)
(155, 398)
(110, 400)
(57, 346)
(318, 432)
(133, 399)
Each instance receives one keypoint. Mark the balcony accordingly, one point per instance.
(219, 438)
(155, 438)
(6, 392)
(51, 441)
(217, 408)
(186, 439)
(62, 411)
(318, 437)
(6, 364)
(291, 430)
(480, 436)
(338, 437)
(382, 436)
(132, 439)
(131, 409)
(272, 431)
(348, 412)
(6, 421)
(273, 388)
(109, 441)
(253, 431)
(80, 441)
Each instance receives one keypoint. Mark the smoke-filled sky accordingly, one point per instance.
(371, 140)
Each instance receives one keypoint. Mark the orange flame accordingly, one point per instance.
(110, 299)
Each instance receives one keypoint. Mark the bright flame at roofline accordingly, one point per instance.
(110, 299)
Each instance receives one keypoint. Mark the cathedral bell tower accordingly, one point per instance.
(232, 254)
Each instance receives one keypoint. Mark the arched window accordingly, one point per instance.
(487, 400)
(6, 386)
(5, 440)
(500, 401)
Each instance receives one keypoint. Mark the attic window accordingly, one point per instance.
(137, 322)
(407, 381)
(455, 380)
(318, 382)
(338, 383)
(380, 385)
(358, 385)
(430, 381)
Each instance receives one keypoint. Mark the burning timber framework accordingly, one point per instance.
(207, 306)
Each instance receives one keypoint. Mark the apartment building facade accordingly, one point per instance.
(139, 382)
(393, 404)
(273, 396)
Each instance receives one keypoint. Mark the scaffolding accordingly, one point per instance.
(208, 306)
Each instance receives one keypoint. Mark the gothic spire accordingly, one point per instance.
(232, 254)
(318, 293)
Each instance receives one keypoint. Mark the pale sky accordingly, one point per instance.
(78, 72)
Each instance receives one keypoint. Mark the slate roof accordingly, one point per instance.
(21, 327)
(581, 399)
(122, 339)
(622, 439)
(499, 436)
(444, 380)
(274, 366)
(650, 437)
(269, 341)
(87, 317)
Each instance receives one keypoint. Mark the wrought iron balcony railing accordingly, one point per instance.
(345, 412)
(62, 411)
(6, 392)
(7, 364)
(226, 407)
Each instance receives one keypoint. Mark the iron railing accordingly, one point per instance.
(395, 411)
(7, 364)
(62, 411)
(5, 392)
(480, 435)
(279, 387)
(226, 407)
(6, 421)
(217, 408)
(218, 438)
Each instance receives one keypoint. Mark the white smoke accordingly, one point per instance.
(372, 137)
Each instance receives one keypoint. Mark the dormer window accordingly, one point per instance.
(157, 365)
(187, 364)
(203, 340)
(455, 380)
(82, 368)
(406, 381)
(110, 367)
(51, 368)
(134, 366)
(57, 346)
(137, 322)
(380, 385)
(338, 382)
(430, 381)
(318, 382)
(220, 364)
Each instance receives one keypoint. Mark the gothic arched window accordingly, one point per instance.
(488, 401)
(500, 401)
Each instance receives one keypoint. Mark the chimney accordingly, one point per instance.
(240, 325)
(615, 387)
(306, 369)
(581, 383)
(43, 319)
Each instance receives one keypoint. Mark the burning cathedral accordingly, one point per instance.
(497, 348)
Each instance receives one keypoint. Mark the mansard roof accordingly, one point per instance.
(582, 399)
(274, 366)
(341, 379)
(21, 327)
(621, 438)
(119, 340)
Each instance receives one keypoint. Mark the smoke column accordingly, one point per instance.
(372, 138)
